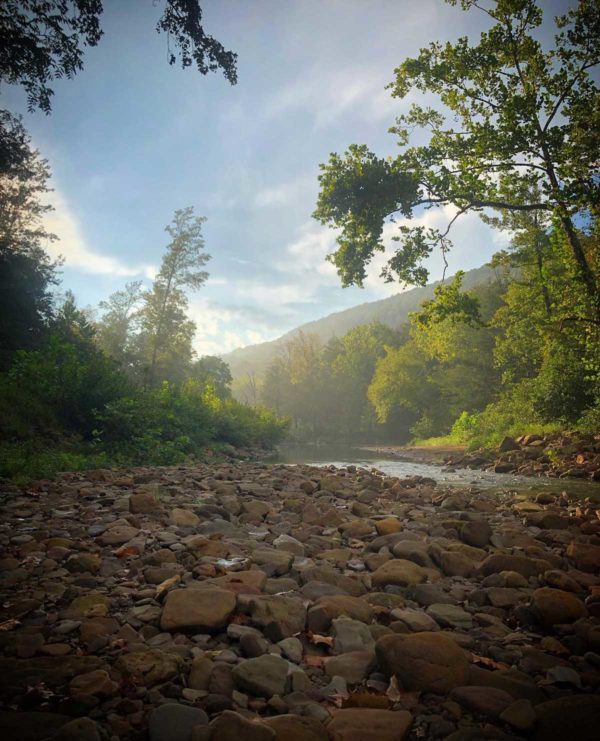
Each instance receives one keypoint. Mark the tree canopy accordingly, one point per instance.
(42, 41)
(515, 119)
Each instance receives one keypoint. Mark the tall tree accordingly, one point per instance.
(117, 329)
(27, 274)
(166, 329)
(522, 119)
(44, 41)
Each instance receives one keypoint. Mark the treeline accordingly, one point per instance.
(519, 353)
(124, 389)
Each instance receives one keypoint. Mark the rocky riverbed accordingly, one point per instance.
(247, 602)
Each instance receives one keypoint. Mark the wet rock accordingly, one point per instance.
(523, 565)
(183, 518)
(450, 616)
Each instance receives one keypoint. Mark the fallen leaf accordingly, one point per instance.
(490, 663)
(314, 661)
(317, 639)
(9, 624)
(126, 551)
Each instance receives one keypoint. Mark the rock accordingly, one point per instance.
(143, 503)
(174, 722)
(450, 616)
(200, 672)
(118, 535)
(351, 635)
(523, 565)
(388, 526)
(554, 607)
(183, 518)
(585, 557)
(231, 726)
(149, 667)
(399, 572)
(368, 724)
(428, 662)
(289, 544)
(488, 701)
(80, 729)
(508, 444)
(278, 562)
(520, 714)
(296, 728)
(96, 683)
(264, 676)
(476, 533)
(278, 616)
(49, 670)
(29, 726)
(574, 717)
(353, 666)
(197, 609)
(291, 649)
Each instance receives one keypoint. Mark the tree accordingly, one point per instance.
(211, 370)
(522, 119)
(166, 330)
(116, 331)
(44, 41)
(27, 274)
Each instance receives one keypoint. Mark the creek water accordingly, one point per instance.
(392, 465)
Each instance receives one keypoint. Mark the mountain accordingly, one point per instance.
(392, 311)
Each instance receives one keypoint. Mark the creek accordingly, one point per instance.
(392, 465)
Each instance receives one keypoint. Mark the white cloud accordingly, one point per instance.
(77, 253)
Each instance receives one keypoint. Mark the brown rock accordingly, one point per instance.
(297, 728)
(575, 717)
(388, 526)
(585, 557)
(523, 565)
(143, 503)
(96, 683)
(183, 518)
(430, 662)
(197, 609)
(368, 724)
(487, 701)
(149, 667)
(400, 573)
(230, 726)
(554, 607)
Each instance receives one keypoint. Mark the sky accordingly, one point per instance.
(131, 139)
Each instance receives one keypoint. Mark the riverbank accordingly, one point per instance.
(248, 601)
(565, 456)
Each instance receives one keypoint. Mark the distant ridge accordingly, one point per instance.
(392, 311)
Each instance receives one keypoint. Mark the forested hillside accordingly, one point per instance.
(393, 312)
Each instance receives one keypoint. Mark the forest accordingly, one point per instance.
(514, 139)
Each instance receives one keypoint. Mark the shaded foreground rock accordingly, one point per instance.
(246, 601)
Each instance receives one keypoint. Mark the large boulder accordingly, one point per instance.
(197, 609)
(429, 662)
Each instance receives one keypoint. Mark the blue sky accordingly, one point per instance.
(131, 139)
